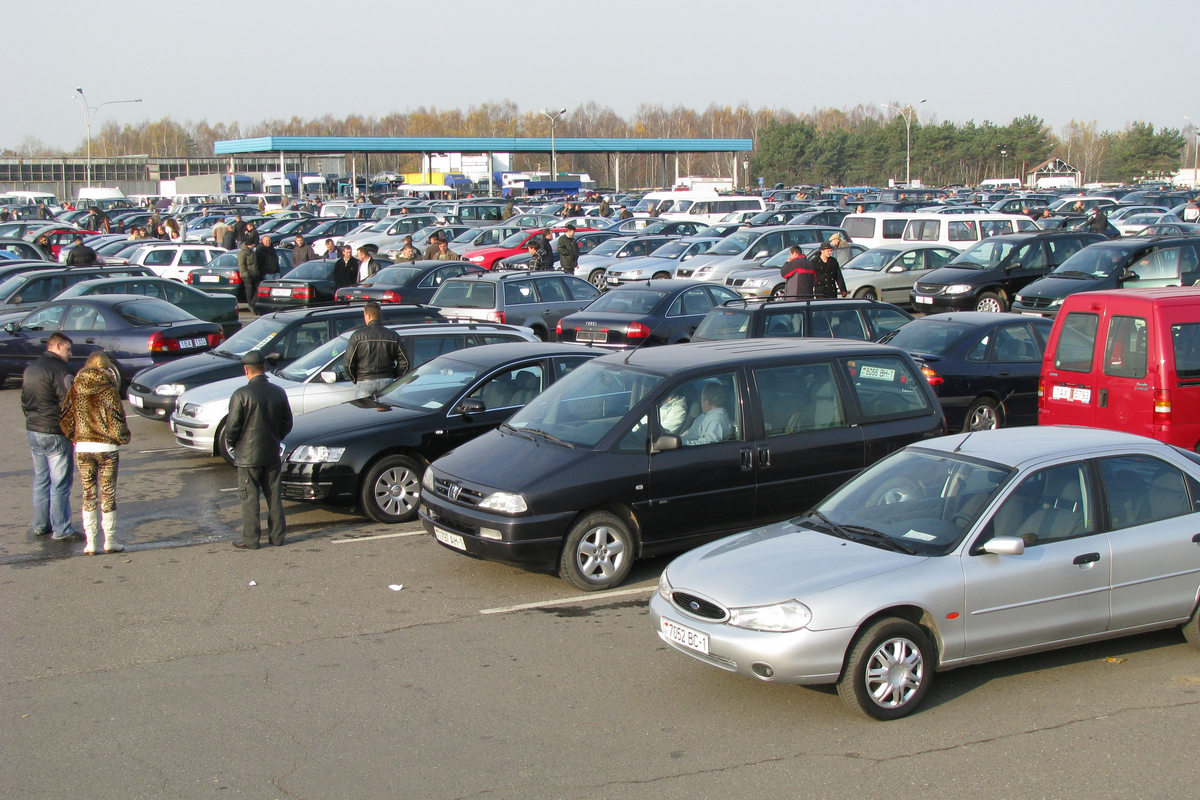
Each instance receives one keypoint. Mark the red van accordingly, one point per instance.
(1126, 360)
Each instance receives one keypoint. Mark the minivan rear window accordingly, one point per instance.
(1185, 341)
(893, 228)
(1076, 342)
(859, 227)
(1125, 351)
(465, 294)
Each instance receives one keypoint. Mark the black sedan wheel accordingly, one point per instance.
(889, 670)
(598, 552)
(392, 489)
(983, 415)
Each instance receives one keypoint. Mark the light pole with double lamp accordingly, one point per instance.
(89, 112)
(553, 117)
(907, 113)
(1195, 154)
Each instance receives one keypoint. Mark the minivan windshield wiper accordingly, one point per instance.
(549, 437)
(1074, 273)
(515, 431)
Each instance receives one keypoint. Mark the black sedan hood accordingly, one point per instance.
(191, 370)
(352, 421)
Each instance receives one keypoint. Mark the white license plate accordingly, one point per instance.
(1031, 314)
(452, 539)
(281, 293)
(210, 278)
(137, 401)
(693, 640)
(186, 343)
(921, 299)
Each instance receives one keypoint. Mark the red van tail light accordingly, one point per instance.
(932, 376)
(636, 330)
(189, 278)
(1162, 407)
(390, 297)
(1041, 393)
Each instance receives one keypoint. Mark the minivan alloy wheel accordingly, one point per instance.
(598, 552)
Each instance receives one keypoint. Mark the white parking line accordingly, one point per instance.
(566, 601)
(380, 536)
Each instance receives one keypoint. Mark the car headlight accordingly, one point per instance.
(504, 502)
(789, 616)
(1058, 301)
(701, 271)
(475, 258)
(170, 389)
(959, 288)
(633, 273)
(189, 410)
(758, 282)
(316, 454)
(664, 586)
(427, 480)
(1017, 298)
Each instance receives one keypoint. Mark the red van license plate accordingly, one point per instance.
(1072, 394)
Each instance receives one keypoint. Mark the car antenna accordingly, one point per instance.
(964, 441)
(639, 344)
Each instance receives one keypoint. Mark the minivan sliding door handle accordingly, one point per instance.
(747, 459)
(764, 458)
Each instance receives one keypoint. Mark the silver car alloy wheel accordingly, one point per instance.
(397, 491)
(983, 418)
(600, 553)
(894, 672)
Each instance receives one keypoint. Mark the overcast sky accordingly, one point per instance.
(970, 59)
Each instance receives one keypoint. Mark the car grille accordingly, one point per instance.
(680, 272)
(734, 281)
(1036, 302)
(930, 288)
(698, 607)
(465, 496)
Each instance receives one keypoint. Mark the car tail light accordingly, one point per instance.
(932, 376)
(189, 278)
(215, 339)
(264, 291)
(1041, 393)
(302, 293)
(495, 316)
(636, 330)
(161, 344)
(390, 297)
(235, 277)
(558, 328)
(1162, 407)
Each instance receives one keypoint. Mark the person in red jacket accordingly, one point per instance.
(799, 274)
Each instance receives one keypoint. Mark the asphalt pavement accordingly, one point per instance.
(185, 668)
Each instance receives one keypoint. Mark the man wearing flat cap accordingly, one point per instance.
(568, 250)
(259, 418)
(830, 282)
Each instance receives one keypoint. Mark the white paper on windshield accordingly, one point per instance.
(921, 537)
(432, 404)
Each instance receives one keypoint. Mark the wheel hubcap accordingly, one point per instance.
(984, 419)
(600, 554)
(397, 490)
(990, 305)
(894, 673)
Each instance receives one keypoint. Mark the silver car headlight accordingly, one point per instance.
(316, 454)
(781, 617)
(758, 282)
(427, 480)
(634, 273)
(189, 410)
(664, 586)
(170, 389)
(959, 288)
(701, 271)
(504, 502)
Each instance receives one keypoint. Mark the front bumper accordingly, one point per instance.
(530, 542)
(148, 404)
(803, 657)
(1049, 312)
(194, 434)
(320, 483)
(941, 303)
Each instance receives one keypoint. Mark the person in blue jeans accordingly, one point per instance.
(46, 383)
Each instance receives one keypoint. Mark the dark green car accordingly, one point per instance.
(219, 308)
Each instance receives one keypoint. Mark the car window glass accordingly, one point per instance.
(551, 290)
(992, 227)
(159, 258)
(720, 294)
(519, 293)
(511, 388)
(799, 398)
(1076, 342)
(193, 258)
(1141, 489)
(885, 320)
(427, 348)
(727, 323)
(1016, 344)
(893, 228)
(1049, 505)
(581, 289)
(563, 366)
(1125, 350)
(301, 339)
(637, 439)
(911, 260)
(344, 324)
(174, 294)
(703, 411)
(1031, 256)
(962, 231)
(1161, 264)
(44, 319)
(1062, 249)
(38, 290)
(694, 301)
(842, 323)
(83, 318)
(886, 387)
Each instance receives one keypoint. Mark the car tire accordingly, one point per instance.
(662, 276)
(597, 553)
(391, 491)
(596, 278)
(1191, 629)
(219, 446)
(991, 303)
(540, 333)
(984, 414)
(888, 671)
(867, 294)
(777, 292)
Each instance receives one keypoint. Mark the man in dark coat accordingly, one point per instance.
(345, 270)
(43, 391)
(568, 250)
(81, 255)
(266, 259)
(373, 357)
(830, 282)
(249, 274)
(259, 418)
(431, 251)
(799, 274)
(239, 231)
(1097, 222)
(302, 252)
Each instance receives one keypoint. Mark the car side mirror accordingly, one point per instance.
(273, 357)
(16, 300)
(665, 442)
(471, 405)
(1129, 275)
(896, 268)
(10, 327)
(328, 376)
(760, 254)
(1004, 546)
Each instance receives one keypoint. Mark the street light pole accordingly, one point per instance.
(1195, 153)
(907, 139)
(553, 117)
(89, 113)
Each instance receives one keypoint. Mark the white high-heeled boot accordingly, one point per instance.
(108, 521)
(89, 531)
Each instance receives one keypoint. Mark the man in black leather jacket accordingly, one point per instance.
(374, 357)
(43, 390)
(259, 418)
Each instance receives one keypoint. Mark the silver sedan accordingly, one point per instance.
(954, 551)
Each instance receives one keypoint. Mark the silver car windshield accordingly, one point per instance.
(914, 501)
(312, 362)
(873, 260)
(586, 404)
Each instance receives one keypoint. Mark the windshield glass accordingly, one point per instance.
(11, 285)
(930, 337)
(983, 255)
(150, 312)
(671, 250)
(585, 405)
(608, 247)
(920, 500)
(516, 240)
(872, 260)
(311, 271)
(252, 337)
(304, 367)
(627, 301)
(732, 245)
(381, 227)
(1099, 262)
(430, 386)
(397, 276)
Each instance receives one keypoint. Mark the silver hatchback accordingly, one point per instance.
(953, 551)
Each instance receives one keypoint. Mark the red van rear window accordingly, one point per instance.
(1076, 342)
(1185, 340)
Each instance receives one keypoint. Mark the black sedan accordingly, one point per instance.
(221, 274)
(983, 367)
(407, 283)
(219, 308)
(650, 313)
(310, 283)
(136, 332)
(372, 452)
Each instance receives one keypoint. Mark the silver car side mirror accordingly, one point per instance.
(1004, 546)
(329, 376)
